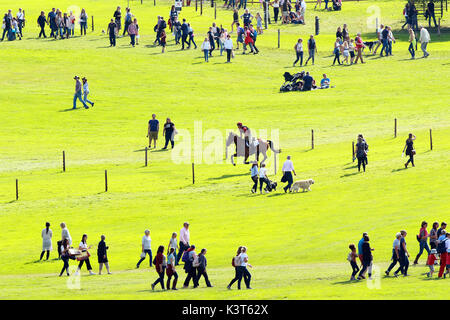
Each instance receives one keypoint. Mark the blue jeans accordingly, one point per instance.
(86, 99)
(206, 52)
(76, 97)
(411, 49)
(146, 251)
(423, 245)
(385, 47)
(389, 51)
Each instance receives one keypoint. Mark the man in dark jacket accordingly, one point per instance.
(201, 269)
(41, 22)
(8, 20)
(430, 13)
(184, 34)
(189, 267)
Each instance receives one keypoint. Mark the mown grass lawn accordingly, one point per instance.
(297, 242)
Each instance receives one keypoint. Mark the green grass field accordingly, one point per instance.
(297, 242)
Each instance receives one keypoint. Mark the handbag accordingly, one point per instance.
(413, 152)
(83, 256)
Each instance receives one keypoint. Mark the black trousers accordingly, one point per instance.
(168, 138)
(112, 39)
(362, 161)
(202, 272)
(184, 40)
(404, 264)
(5, 32)
(276, 11)
(229, 55)
(160, 278)
(289, 179)
(83, 27)
(246, 275)
(299, 57)
(394, 262)
(336, 57)
(261, 182)
(237, 276)
(42, 32)
(183, 247)
(42, 254)
(192, 274)
(175, 279)
(65, 259)
(366, 264)
(88, 264)
(355, 268)
(411, 159)
(191, 39)
(125, 27)
(255, 183)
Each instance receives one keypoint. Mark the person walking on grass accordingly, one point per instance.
(395, 253)
(65, 234)
(111, 31)
(430, 13)
(201, 269)
(173, 244)
(431, 260)
(146, 248)
(184, 34)
(412, 43)
(409, 147)
(152, 133)
(235, 262)
(403, 256)
(190, 260)
(64, 249)
(83, 21)
(169, 132)
(83, 247)
(128, 20)
(86, 91)
(228, 45)
(312, 49)
(298, 52)
(244, 273)
(235, 19)
(206, 48)
(360, 248)
(163, 41)
(263, 179)
(434, 235)
(424, 39)
(443, 251)
(380, 38)
(46, 235)
(171, 270)
(132, 32)
(118, 20)
(367, 259)
(361, 153)
(184, 240)
(191, 37)
(352, 259)
(337, 51)
(102, 256)
(359, 43)
(288, 169)
(42, 21)
(422, 237)
(160, 263)
(78, 93)
(254, 176)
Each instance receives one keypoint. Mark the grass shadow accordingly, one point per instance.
(226, 176)
(397, 170)
(350, 174)
(345, 282)
(352, 167)
(69, 109)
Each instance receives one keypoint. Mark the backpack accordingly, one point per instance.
(232, 262)
(236, 261)
(185, 257)
(441, 246)
(196, 262)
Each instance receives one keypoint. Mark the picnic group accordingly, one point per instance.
(166, 261)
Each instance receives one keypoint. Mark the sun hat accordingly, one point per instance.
(433, 251)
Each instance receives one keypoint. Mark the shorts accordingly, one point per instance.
(154, 135)
(285, 14)
(352, 54)
(345, 53)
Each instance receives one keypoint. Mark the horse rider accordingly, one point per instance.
(245, 131)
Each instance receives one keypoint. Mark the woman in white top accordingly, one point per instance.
(46, 235)
(146, 248)
(86, 91)
(244, 273)
(337, 51)
(173, 243)
(206, 46)
(263, 178)
(299, 51)
(228, 45)
(84, 248)
(71, 25)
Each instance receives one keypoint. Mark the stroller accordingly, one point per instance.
(271, 186)
(292, 82)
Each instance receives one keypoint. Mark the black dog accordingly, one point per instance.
(271, 186)
(370, 44)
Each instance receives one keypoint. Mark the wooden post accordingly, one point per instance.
(17, 189)
(201, 7)
(64, 161)
(395, 128)
(278, 38)
(146, 156)
(154, 3)
(106, 180)
(353, 151)
(195, 5)
(92, 17)
(376, 24)
(141, 1)
(439, 27)
(312, 139)
(431, 141)
(193, 174)
(215, 11)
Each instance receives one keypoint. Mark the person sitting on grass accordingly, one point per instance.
(307, 82)
(325, 82)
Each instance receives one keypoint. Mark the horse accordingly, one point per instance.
(243, 151)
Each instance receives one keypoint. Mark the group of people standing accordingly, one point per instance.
(169, 132)
(62, 24)
(349, 49)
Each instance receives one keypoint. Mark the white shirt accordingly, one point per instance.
(20, 15)
(447, 245)
(83, 245)
(86, 87)
(206, 45)
(262, 172)
(424, 35)
(299, 46)
(396, 244)
(173, 243)
(184, 235)
(228, 44)
(303, 6)
(66, 235)
(276, 4)
(242, 256)
(147, 242)
(288, 166)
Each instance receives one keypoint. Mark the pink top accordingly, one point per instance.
(132, 29)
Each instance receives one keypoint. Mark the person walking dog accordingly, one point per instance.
(288, 169)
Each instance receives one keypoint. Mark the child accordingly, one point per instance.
(352, 259)
(137, 32)
(259, 23)
(163, 40)
(206, 46)
(101, 254)
(173, 243)
(430, 262)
